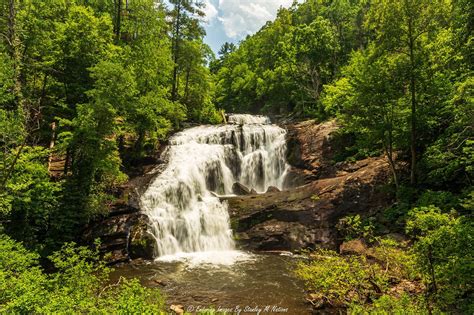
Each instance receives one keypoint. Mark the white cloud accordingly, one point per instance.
(242, 17)
(210, 11)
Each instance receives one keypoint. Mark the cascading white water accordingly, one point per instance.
(206, 161)
(248, 119)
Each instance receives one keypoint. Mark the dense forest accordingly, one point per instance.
(96, 86)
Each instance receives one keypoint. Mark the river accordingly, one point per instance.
(197, 263)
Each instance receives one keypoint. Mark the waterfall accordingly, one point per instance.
(204, 162)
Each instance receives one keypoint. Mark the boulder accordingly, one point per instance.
(240, 190)
(177, 309)
(123, 235)
(272, 189)
(141, 241)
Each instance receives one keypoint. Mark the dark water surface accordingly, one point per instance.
(256, 282)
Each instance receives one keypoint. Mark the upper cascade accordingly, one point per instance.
(204, 162)
(242, 119)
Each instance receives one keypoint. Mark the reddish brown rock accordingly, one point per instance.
(310, 149)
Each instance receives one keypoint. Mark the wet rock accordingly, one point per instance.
(294, 178)
(353, 247)
(138, 262)
(240, 190)
(160, 282)
(272, 189)
(123, 236)
(142, 242)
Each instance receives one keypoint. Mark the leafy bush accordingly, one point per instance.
(386, 304)
(441, 199)
(29, 198)
(444, 254)
(377, 280)
(340, 280)
(79, 284)
(353, 227)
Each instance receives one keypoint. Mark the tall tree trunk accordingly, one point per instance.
(51, 145)
(186, 89)
(14, 50)
(67, 161)
(118, 25)
(391, 162)
(15, 53)
(174, 90)
(413, 121)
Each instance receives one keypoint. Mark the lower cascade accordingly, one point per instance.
(204, 163)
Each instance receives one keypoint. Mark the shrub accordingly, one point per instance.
(79, 284)
(444, 255)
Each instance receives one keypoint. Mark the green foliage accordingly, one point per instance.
(386, 304)
(117, 79)
(338, 279)
(352, 227)
(444, 254)
(29, 198)
(441, 199)
(354, 281)
(102, 73)
(6, 80)
(79, 284)
(283, 67)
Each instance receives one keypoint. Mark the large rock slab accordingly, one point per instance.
(306, 216)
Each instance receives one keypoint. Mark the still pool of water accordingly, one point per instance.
(230, 281)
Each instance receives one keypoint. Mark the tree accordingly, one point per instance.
(227, 48)
(185, 26)
(400, 27)
(370, 101)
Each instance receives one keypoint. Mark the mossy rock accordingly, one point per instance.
(142, 243)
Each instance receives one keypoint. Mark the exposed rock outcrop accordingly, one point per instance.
(292, 219)
(240, 190)
(310, 149)
(306, 216)
(118, 233)
(272, 189)
(353, 247)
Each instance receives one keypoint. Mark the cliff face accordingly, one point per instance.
(310, 149)
(306, 216)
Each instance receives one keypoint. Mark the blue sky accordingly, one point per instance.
(233, 20)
